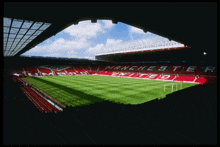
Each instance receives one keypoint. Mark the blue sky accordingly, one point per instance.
(85, 39)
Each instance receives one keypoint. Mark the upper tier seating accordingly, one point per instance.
(190, 70)
(94, 68)
(159, 68)
(78, 68)
(87, 69)
(45, 71)
(32, 71)
(174, 69)
(19, 71)
(101, 68)
(145, 68)
(61, 72)
(70, 71)
(208, 71)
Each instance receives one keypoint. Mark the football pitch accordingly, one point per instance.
(82, 90)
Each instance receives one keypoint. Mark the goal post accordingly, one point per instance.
(173, 85)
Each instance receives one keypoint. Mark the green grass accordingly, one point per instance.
(84, 90)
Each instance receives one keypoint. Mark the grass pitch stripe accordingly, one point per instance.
(84, 90)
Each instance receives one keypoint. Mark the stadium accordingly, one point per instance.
(138, 92)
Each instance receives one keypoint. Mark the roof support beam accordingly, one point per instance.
(16, 35)
(9, 33)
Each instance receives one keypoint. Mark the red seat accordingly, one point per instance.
(166, 77)
(153, 76)
(185, 78)
(200, 80)
(38, 101)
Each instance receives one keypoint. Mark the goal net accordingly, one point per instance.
(174, 86)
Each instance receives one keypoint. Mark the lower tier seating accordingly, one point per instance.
(39, 101)
(180, 78)
(184, 79)
(17, 80)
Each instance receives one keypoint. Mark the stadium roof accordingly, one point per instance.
(18, 33)
(193, 24)
(141, 45)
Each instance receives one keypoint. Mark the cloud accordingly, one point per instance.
(80, 33)
(110, 42)
(135, 30)
(95, 49)
(60, 47)
(78, 43)
(149, 33)
(85, 29)
(68, 53)
(108, 24)
(101, 47)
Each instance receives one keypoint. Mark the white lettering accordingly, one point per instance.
(165, 76)
(124, 68)
(141, 68)
(121, 74)
(151, 68)
(162, 68)
(211, 68)
(131, 74)
(117, 67)
(115, 74)
(132, 67)
(191, 69)
(108, 67)
(143, 75)
(153, 75)
(175, 67)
